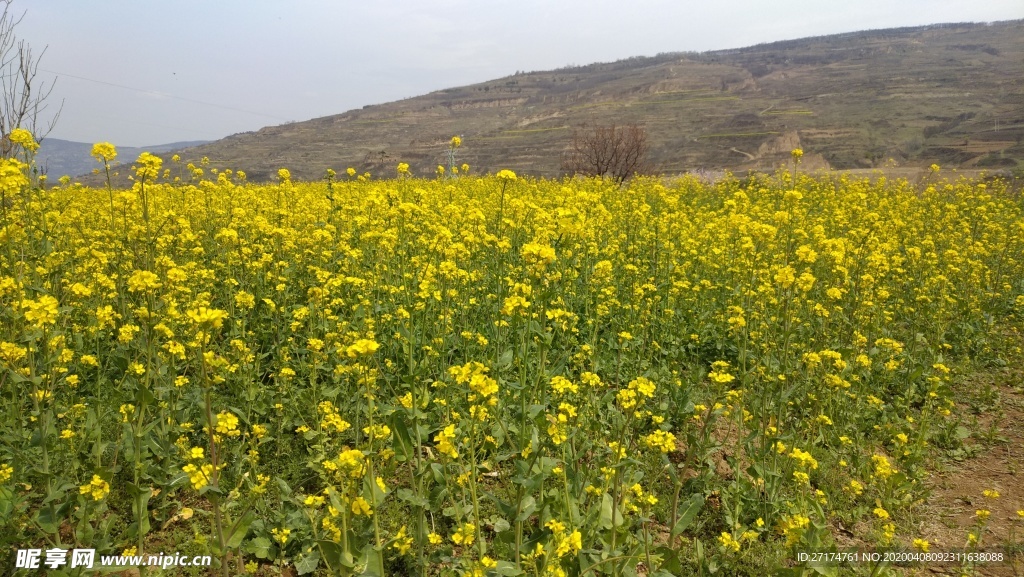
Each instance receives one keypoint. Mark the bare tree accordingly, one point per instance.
(376, 157)
(617, 152)
(23, 96)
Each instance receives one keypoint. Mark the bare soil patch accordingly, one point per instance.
(993, 411)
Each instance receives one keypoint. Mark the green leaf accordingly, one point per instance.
(402, 443)
(305, 564)
(507, 569)
(144, 396)
(505, 359)
(59, 492)
(85, 533)
(140, 506)
(286, 491)
(332, 554)
(371, 557)
(48, 518)
(372, 492)
(335, 500)
(412, 498)
(260, 547)
(690, 508)
(240, 529)
(826, 570)
(536, 329)
(670, 560)
(606, 513)
(526, 508)
(437, 471)
(501, 524)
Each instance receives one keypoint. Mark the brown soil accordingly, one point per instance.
(956, 491)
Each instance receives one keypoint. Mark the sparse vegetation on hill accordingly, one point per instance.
(946, 94)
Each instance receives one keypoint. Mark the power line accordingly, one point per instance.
(161, 94)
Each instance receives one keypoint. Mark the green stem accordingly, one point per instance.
(215, 476)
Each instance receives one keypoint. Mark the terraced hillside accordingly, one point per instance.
(951, 94)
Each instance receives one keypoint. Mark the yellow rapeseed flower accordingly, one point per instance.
(97, 488)
(104, 151)
(24, 138)
(465, 534)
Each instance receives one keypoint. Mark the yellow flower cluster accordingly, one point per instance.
(362, 347)
(97, 488)
(227, 424)
(402, 542)
(24, 138)
(41, 312)
(635, 393)
(563, 386)
(792, 527)
(199, 476)
(352, 462)
(803, 459)
(661, 440)
(332, 421)
(883, 467)
(360, 506)
(104, 152)
(465, 534)
(204, 316)
(444, 440)
(12, 175)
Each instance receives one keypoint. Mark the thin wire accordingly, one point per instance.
(155, 93)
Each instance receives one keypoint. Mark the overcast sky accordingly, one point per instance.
(141, 72)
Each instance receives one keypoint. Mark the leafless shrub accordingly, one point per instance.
(23, 95)
(617, 152)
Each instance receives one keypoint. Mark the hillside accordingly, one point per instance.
(58, 157)
(951, 94)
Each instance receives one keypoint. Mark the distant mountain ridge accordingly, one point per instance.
(57, 157)
(951, 94)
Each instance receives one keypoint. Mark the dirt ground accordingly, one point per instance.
(994, 460)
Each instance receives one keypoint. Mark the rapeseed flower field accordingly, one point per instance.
(486, 375)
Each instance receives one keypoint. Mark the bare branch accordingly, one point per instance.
(23, 96)
(618, 152)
